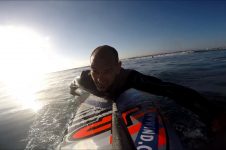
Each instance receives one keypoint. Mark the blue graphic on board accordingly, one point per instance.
(147, 136)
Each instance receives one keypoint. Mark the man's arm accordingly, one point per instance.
(184, 96)
(73, 86)
(85, 82)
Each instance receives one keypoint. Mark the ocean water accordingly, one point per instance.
(23, 128)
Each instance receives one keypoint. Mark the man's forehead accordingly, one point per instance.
(97, 60)
(102, 64)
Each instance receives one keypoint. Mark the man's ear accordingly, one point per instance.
(119, 65)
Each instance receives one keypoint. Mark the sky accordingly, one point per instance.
(58, 35)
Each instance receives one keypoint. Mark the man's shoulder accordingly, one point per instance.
(135, 76)
(126, 75)
(85, 74)
(129, 72)
(85, 78)
(82, 79)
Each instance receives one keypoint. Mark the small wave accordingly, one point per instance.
(223, 58)
(50, 125)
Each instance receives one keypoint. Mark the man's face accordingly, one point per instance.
(104, 71)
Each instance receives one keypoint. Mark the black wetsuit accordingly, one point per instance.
(184, 96)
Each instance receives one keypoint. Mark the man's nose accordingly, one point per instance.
(100, 77)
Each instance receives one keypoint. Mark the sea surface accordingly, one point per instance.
(29, 127)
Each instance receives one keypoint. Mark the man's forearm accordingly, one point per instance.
(191, 100)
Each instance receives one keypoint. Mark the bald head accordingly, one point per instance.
(105, 53)
(105, 66)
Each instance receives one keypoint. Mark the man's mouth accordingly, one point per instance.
(100, 87)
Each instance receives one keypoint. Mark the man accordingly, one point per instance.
(108, 79)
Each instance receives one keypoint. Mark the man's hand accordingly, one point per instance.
(73, 87)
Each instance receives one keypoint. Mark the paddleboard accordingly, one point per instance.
(91, 127)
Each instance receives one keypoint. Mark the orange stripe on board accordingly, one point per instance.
(142, 113)
(110, 139)
(161, 137)
(135, 128)
(87, 131)
(127, 112)
(105, 124)
(132, 130)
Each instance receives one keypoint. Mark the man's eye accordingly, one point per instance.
(94, 71)
(107, 71)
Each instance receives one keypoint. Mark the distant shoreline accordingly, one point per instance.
(154, 55)
(174, 52)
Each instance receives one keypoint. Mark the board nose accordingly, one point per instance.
(121, 138)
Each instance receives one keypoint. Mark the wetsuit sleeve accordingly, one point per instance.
(85, 82)
(184, 96)
(80, 82)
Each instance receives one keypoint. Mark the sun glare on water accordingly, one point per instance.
(24, 58)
